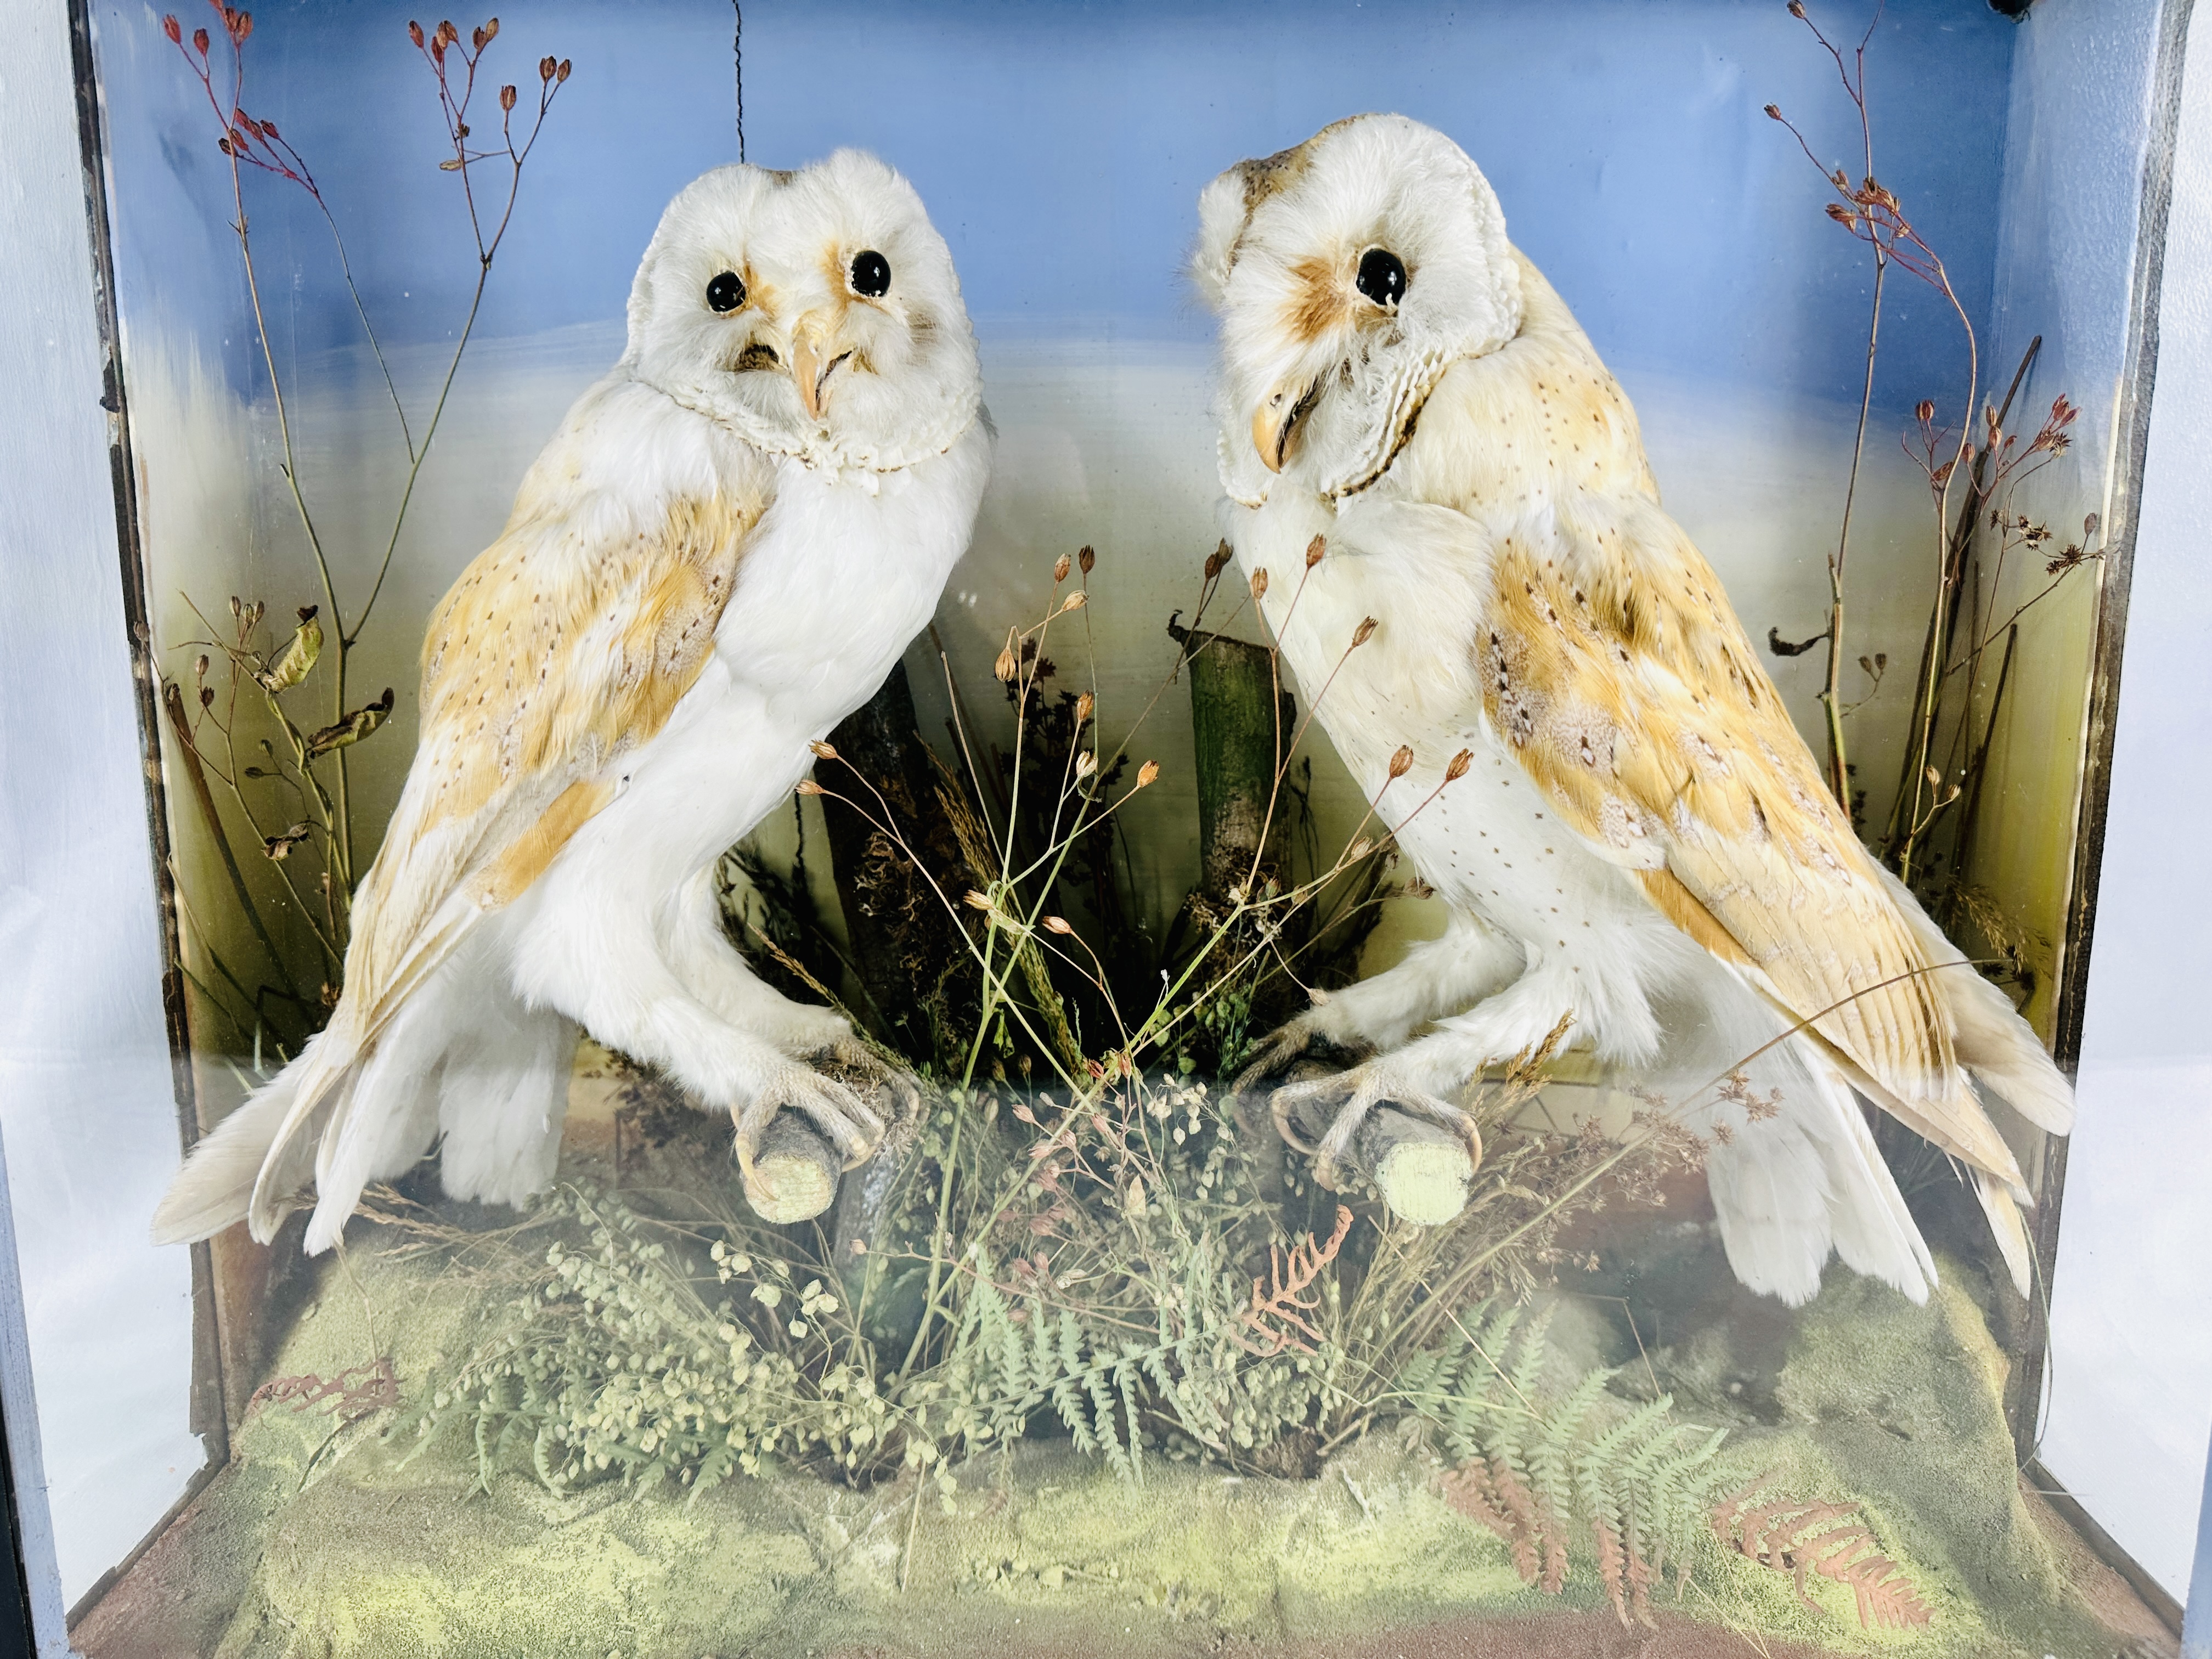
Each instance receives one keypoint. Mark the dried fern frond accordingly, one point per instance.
(1834, 1540)
(1544, 1470)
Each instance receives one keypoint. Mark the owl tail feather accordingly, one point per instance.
(1788, 1187)
(215, 1189)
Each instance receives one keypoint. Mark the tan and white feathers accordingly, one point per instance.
(619, 687)
(1644, 842)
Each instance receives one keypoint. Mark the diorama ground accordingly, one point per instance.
(330, 1537)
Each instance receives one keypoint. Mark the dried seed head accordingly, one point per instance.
(1315, 549)
(1007, 665)
(1364, 633)
(1460, 763)
(1147, 773)
(1362, 848)
(562, 73)
(173, 29)
(977, 900)
(1797, 7)
(200, 41)
(1772, 113)
(546, 67)
(1061, 567)
(808, 787)
(200, 666)
(1083, 705)
(1217, 561)
(207, 695)
(1085, 764)
(506, 97)
(1924, 411)
(1085, 557)
(2089, 525)
(1402, 762)
(237, 607)
(822, 750)
(1074, 601)
(415, 31)
(1058, 925)
(1260, 583)
(1933, 777)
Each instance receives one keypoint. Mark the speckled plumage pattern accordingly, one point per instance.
(1643, 841)
(720, 554)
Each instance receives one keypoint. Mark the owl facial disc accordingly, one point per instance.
(1350, 273)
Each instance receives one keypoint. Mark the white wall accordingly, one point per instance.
(84, 1064)
(2130, 1400)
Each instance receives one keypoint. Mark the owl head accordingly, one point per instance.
(815, 313)
(1349, 273)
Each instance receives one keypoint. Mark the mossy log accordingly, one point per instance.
(1240, 722)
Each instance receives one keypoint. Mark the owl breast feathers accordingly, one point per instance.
(1644, 843)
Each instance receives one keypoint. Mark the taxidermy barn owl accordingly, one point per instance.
(719, 555)
(1640, 839)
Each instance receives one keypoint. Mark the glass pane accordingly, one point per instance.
(1373, 1037)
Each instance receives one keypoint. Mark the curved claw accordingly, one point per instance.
(852, 1055)
(1284, 1046)
(842, 1115)
(1366, 1086)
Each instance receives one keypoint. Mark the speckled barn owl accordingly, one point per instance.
(1641, 840)
(720, 554)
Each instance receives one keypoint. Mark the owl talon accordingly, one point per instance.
(1368, 1085)
(845, 1120)
(1286, 1045)
(871, 1073)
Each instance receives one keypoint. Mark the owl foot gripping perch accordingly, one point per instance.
(719, 555)
(1642, 843)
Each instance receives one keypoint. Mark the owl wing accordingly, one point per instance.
(1613, 667)
(565, 644)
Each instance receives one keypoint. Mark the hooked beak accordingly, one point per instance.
(1275, 422)
(813, 360)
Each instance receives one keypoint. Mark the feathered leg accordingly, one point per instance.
(1437, 976)
(585, 945)
(701, 954)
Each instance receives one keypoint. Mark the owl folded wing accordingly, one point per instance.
(1615, 667)
(561, 647)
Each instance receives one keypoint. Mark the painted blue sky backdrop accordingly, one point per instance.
(1060, 149)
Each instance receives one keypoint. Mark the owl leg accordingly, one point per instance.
(1438, 977)
(701, 954)
(703, 957)
(1374, 1083)
(1517, 1021)
(587, 948)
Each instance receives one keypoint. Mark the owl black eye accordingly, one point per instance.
(1382, 276)
(871, 275)
(726, 291)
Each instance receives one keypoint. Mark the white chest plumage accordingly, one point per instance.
(841, 573)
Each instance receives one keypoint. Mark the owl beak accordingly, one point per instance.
(1275, 422)
(813, 360)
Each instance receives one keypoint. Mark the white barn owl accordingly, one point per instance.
(719, 555)
(1642, 841)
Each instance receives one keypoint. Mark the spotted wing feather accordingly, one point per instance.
(1614, 669)
(561, 647)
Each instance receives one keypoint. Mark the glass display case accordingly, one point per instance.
(1112, 829)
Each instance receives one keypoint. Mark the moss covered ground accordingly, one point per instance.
(325, 1539)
